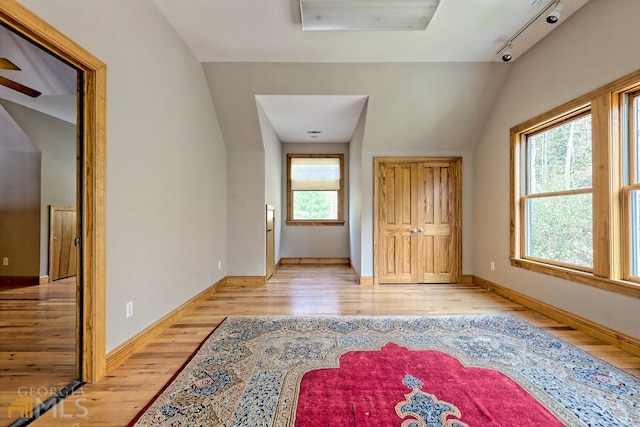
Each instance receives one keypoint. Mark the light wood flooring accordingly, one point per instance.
(293, 290)
(37, 341)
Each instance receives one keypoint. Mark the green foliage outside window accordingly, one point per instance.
(560, 229)
(560, 226)
(560, 158)
(315, 205)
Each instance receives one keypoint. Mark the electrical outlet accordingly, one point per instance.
(219, 265)
(5, 261)
(493, 266)
(129, 309)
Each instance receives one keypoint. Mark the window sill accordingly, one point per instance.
(314, 222)
(622, 287)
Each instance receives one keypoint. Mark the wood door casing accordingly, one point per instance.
(417, 208)
(63, 254)
(271, 231)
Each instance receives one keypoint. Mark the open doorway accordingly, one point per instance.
(90, 171)
(39, 161)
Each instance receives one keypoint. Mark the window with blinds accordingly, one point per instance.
(315, 189)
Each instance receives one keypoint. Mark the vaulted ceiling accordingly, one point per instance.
(461, 35)
(42, 72)
(439, 82)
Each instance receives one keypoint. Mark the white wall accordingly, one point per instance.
(273, 175)
(318, 241)
(355, 193)
(246, 249)
(166, 161)
(20, 162)
(595, 46)
(20, 212)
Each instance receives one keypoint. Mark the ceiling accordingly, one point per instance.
(461, 31)
(271, 31)
(313, 118)
(40, 71)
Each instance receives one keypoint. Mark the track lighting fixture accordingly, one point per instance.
(554, 16)
(507, 54)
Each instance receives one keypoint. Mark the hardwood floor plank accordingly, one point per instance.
(293, 290)
(37, 341)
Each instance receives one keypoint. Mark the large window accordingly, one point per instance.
(315, 189)
(575, 206)
(557, 199)
(631, 182)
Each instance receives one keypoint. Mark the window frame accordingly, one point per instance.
(611, 222)
(313, 222)
(526, 193)
(630, 178)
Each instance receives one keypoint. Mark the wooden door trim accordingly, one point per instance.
(91, 131)
(270, 208)
(456, 163)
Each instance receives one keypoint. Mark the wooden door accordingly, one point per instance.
(436, 223)
(398, 217)
(418, 206)
(271, 230)
(63, 253)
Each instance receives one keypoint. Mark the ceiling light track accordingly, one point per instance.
(552, 18)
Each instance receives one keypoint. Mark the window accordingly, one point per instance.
(575, 186)
(315, 186)
(631, 185)
(557, 193)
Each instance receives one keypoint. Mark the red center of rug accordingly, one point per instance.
(421, 387)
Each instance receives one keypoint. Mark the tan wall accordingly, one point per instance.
(20, 212)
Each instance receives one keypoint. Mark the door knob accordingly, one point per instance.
(420, 230)
(414, 230)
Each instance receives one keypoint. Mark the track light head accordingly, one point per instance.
(507, 54)
(554, 16)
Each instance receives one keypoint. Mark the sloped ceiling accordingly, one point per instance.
(429, 89)
(41, 71)
(268, 31)
(12, 137)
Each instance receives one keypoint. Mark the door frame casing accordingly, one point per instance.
(91, 131)
(270, 242)
(377, 244)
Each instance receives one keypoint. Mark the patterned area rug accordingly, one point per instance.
(450, 371)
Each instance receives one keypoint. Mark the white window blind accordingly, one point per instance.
(315, 174)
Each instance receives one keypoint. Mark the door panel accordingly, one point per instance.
(435, 217)
(398, 213)
(63, 257)
(417, 207)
